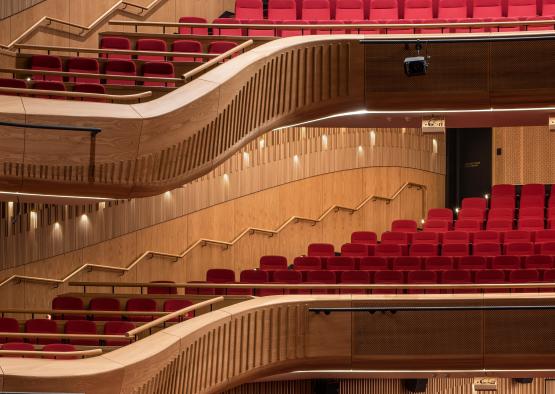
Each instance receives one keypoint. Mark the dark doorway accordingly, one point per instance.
(468, 164)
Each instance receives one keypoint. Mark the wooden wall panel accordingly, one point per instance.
(528, 155)
(11, 7)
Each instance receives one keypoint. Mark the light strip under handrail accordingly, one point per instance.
(112, 51)
(89, 75)
(93, 130)
(121, 5)
(338, 26)
(216, 60)
(319, 286)
(394, 309)
(225, 244)
(134, 332)
(59, 93)
(75, 353)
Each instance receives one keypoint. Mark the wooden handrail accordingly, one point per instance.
(81, 312)
(136, 331)
(75, 353)
(197, 70)
(89, 75)
(226, 244)
(315, 286)
(61, 335)
(122, 97)
(112, 51)
(337, 26)
(85, 30)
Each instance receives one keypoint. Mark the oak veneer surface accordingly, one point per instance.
(273, 335)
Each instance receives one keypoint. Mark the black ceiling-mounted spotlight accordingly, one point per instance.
(416, 65)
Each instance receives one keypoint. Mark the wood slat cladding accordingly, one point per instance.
(262, 164)
(11, 7)
(210, 119)
(264, 337)
(281, 387)
(484, 75)
(527, 155)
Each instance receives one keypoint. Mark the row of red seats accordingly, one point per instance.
(51, 347)
(404, 274)
(91, 66)
(397, 235)
(157, 45)
(392, 9)
(50, 85)
(46, 326)
(113, 304)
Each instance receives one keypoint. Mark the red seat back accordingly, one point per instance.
(279, 10)
(472, 263)
(151, 44)
(418, 9)
(384, 10)
(388, 250)
(518, 8)
(188, 46)
(364, 237)
(43, 326)
(506, 262)
(469, 202)
(455, 250)
(425, 238)
(316, 10)
(438, 263)
(272, 263)
(175, 305)
(225, 31)
(321, 250)
(60, 347)
(456, 237)
(340, 263)
(46, 63)
(248, 9)
(407, 263)
(83, 65)
(121, 43)
(517, 236)
(354, 250)
(105, 304)
(519, 249)
(374, 263)
(161, 290)
(404, 226)
(201, 31)
(307, 263)
(424, 250)
(120, 67)
(140, 304)
(117, 328)
(348, 10)
(158, 70)
(81, 327)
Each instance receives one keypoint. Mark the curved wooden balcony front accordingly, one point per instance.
(272, 335)
(148, 148)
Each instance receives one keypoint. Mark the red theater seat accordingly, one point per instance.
(354, 250)
(506, 263)
(151, 44)
(105, 304)
(388, 250)
(418, 9)
(421, 278)
(218, 275)
(8, 324)
(120, 67)
(472, 263)
(349, 10)
(531, 212)
(188, 46)
(321, 250)
(438, 263)
(354, 278)
(444, 214)
(524, 276)
(12, 83)
(252, 276)
(491, 277)
(293, 32)
(547, 248)
(90, 88)
(248, 9)
(117, 328)
(388, 278)
(158, 70)
(394, 238)
(457, 277)
(142, 305)
(340, 263)
(69, 304)
(176, 305)
(456, 9)
(487, 249)
(307, 263)
(373, 263)
(425, 238)
(285, 277)
(407, 263)
(493, 7)
(49, 85)
(83, 65)
(18, 346)
(201, 31)
(532, 201)
(60, 348)
(468, 225)
(121, 43)
(486, 237)
(46, 63)
(503, 202)
(273, 263)
(219, 47)
(456, 237)
(321, 277)
(436, 226)
(531, 224)
(424, 250)
(383, 10)
(501, 213)
(519, 249)
(316, 10)
(499, 225)
(161, 290)
(517, 236)
(472, 214)
(280, 10)
(364, 237)
(86, 327)
(455, 250)
(469, 202)
(42, 326)
(521, 8)
(226, 31)
(542, 262)
(529, 189)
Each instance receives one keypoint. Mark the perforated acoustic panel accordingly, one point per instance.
(461, 75)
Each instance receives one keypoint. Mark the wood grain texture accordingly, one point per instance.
(275, 335)
(11, 7)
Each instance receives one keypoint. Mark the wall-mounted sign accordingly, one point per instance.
(484, 384)
(433, 125)
(552, 123)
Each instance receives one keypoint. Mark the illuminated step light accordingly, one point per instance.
(552, 123)
(433, 125)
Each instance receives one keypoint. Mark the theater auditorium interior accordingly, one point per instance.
(277, 196)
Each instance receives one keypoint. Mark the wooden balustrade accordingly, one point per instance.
(78, 95)
(49, 354)
(454, 335)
